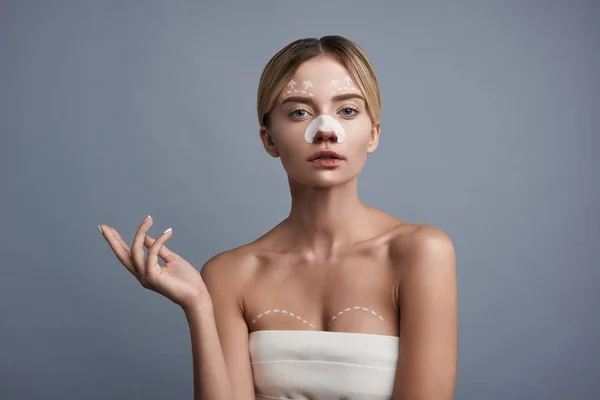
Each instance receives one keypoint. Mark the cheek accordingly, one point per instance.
(358, 134)
(294, 136)
(285, 133)
(289, 142)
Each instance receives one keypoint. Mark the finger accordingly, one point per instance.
(152, 263)
(164, 253)
(137, 247)
(117, 247)
(125, 247)
(120, 239)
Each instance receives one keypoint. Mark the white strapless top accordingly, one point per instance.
(304, 364)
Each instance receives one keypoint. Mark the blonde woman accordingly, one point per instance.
(339, 300)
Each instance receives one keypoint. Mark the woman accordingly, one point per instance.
(339, 300)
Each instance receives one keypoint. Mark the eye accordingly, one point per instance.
(294, 113)
(351, 109)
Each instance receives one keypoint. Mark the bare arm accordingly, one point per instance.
(219, 338)
(211, 304)
(211, 380)
(428, 350)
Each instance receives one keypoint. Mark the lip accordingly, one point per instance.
(325, 155)
(326, 162)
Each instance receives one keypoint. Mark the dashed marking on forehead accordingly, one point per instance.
(292, 84)
(348, 85)
(308, 84)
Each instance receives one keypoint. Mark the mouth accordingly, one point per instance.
(325, 155)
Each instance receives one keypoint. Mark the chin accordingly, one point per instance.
(323, 178)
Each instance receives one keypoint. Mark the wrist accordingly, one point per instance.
(202, 305)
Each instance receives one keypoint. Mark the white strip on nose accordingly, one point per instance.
(325, 123)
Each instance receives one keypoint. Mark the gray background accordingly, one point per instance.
(114, 110)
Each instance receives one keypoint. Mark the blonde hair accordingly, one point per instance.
(282, 66)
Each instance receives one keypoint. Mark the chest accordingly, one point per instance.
(355, 294)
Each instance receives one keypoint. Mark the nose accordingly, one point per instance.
(325, 136)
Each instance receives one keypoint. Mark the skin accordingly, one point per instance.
(332, 251)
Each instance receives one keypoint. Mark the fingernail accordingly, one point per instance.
(168, 230)
(100, 228)
(147, 218)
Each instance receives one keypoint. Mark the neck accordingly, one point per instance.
(324, 219)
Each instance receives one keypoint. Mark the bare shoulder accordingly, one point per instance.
(416, 242)
(410, 237)
(230, 269)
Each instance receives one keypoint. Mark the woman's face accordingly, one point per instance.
(320, 92)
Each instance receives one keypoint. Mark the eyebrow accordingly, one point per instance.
(310, 101)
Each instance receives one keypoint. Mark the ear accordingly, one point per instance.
(268, 143)
(374, 138)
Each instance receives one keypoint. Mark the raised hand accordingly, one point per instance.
(177, 279)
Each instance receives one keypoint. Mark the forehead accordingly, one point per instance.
(320, 68)
(320, 71)
(318, 75)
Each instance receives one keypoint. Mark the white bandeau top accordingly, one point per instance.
(306, 364)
